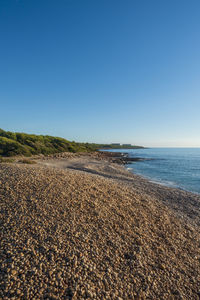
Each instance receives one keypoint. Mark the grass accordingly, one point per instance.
(6, 160)
(27, 161)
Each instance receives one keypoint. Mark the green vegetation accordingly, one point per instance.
(117, 146)
(6, 160)
(14, 143)
(27, 161)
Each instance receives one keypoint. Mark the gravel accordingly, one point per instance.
(93, 231)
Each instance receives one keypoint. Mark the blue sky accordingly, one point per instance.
(102, 70)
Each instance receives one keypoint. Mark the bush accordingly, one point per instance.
(12, 144)
(6, 160)
(27, 161)
(10, 147)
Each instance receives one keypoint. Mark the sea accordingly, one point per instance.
(173, 167)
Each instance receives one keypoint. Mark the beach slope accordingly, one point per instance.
(78, 228)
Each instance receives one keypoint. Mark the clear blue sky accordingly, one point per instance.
(102, 70)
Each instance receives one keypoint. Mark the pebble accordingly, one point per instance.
(128, 244)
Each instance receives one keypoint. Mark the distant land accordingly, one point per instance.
(120, 146)
(15, 143)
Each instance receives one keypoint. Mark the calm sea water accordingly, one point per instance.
(174, 167)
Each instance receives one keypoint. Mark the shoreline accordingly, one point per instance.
(183, 202)
(111, 165)
(163, 183)
(80, 226)
(123, 158)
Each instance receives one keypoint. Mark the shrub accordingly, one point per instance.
(27, 161)
(6, 160)
(28, 144)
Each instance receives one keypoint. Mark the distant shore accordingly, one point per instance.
(80, 226)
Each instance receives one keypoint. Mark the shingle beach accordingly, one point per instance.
(83, 227)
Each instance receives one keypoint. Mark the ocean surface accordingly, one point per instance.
(174, 167)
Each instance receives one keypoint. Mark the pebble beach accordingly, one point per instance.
(80, 226)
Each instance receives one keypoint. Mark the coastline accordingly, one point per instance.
(81, 226)
(124, 159)
(112, 165)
